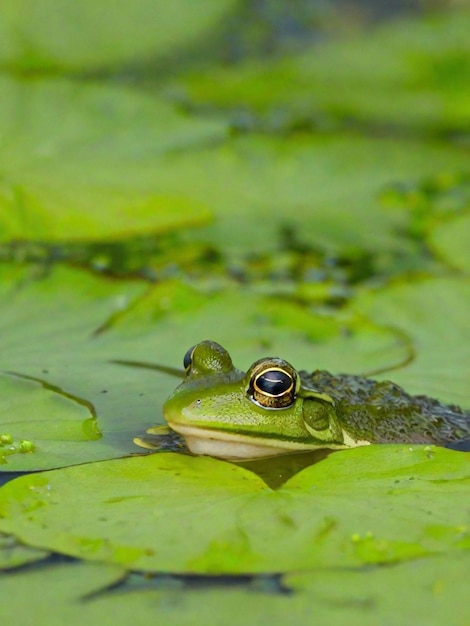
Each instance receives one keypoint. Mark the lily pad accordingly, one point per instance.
(451, 241)
(413, 73)
(44, 341)
(56, 592)
(13, 554)
(326, 188)
(70, 147)
(381, 504)
(55, 34)
(63, 333)
(434, 313)
(363, 597)
(58, 428)
(427, 591)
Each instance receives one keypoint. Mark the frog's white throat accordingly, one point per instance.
(229, 445)
(235, 446)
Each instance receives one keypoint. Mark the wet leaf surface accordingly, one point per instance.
(379, 504)
(413, 74)
(63, 333)
(434, 313)
(86, 36)
(326, 174)
(426, 591)
(451, 241)
(14, 554)
(324, 187)
(70, 147)
(55, 592)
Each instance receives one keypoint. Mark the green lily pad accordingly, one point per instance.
(45, 340)
(151, 169)
(380, 504)
(434, 313)
(58, 429)
(414, 73)
(427, 592)
(13, 554)
(67, 397)
(451, 241)
(55, 34)
(69, 148)
(325, 188)
(55, 593)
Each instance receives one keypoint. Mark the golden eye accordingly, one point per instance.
(273, 383)
(188, 359)
(272, 386)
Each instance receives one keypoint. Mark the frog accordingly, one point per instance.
(273, 409)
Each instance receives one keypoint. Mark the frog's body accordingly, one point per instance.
(272, 409)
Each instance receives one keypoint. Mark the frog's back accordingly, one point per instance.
(383, 412)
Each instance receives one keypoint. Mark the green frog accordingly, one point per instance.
(273, 409)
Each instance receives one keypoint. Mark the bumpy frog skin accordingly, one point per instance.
(273, 409)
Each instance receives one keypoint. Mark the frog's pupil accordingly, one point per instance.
(274, 382)
(188, 358)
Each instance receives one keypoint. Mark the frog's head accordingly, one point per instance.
(223, 412)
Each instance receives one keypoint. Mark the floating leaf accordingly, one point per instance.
(14, 554)
(69, 148)
(62, 334)
(58, 428)
(170, 512)
(55, 593)
(413, 73)
(59, 383)
(55, 34)
(325, 188)
(451, 241)
(435, 314)
(426, 591)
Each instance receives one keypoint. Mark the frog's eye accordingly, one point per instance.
(188, 359)
(272, 387)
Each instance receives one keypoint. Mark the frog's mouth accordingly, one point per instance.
(232, 446)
